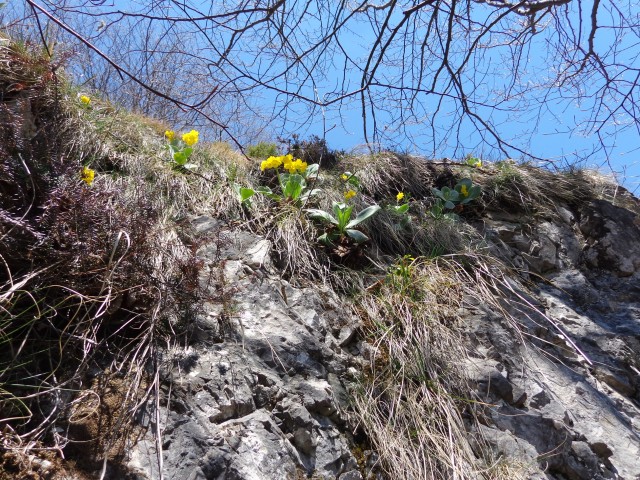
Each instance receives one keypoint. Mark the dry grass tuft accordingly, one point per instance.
(91, 277)
(524, 188)
(415, 399)
(385, 174)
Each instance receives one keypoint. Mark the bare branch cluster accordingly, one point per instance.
(427, 71)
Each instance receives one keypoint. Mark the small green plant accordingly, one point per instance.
(449, 199)
(402, 277)
(403, 269)
(180, 149)
(401, 210)
(341, 224)
(262, 150)
(293, 183)
(351, 179)
(472, 161)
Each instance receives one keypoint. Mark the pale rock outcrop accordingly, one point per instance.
(261, 389)
(257, 394)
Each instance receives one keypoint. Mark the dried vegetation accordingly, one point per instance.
(93, 279)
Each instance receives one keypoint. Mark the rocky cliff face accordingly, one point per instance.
(564, 396)
(262, 389)
(259, 393)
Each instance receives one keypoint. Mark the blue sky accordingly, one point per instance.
(550, 129)
(553, 130)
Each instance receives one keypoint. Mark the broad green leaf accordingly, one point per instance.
(180, 158)
(267, 191)
(342, 212)
(293, 186)
(325, 238)
(449, 194)
(312, 170)
(246, 193)
(357, 235)
(292, 190)
(363, 215)
(283, 178)
(308, 194)
(401, 208)
(337, 206)
(321, 215)
(449, 205)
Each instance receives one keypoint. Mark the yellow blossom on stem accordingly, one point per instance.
(399, 196)
(271, 162)
(349, 194)
(464, 191)
(296, 166)
(170, 135)
(85, 100)
(344, 177)
(190, 138)
(87, 175)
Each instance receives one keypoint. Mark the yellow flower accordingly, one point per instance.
(87, 175)
(295, 166)
(349, 194)
(170, 135)
(474, 162)
(84, 99)
(399, 196)
(190, 138)
(464, 191)
(271, 162)
(344, 177)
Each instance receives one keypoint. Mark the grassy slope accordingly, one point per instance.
(95, 278)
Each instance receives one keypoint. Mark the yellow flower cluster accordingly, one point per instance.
(85, 100)
(296, 166)
(287, 161)
(464, 191)
(349, 194)
(190, 138)
(87, 175)
(170, 135)
(271, 162)
(399, 196)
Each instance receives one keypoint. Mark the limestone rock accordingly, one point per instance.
(264, 402)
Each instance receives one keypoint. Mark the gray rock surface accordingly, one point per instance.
(258, 394)
(261, 389)
(563, 396)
